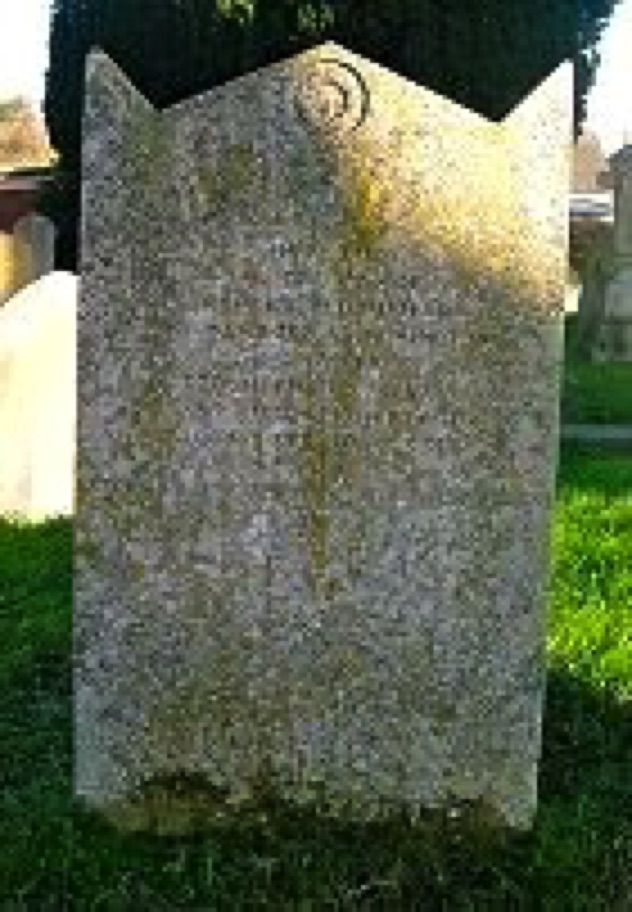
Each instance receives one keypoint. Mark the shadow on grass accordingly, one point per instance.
(593, 392)
(592, 467)
(56, 855)
(35, 714)
(577, 857)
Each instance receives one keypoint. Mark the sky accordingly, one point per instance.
(24, 59)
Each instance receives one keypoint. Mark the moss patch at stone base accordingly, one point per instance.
(185, 804)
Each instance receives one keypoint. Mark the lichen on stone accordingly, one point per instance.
(365, 223)
(147, 148)
(234, 178)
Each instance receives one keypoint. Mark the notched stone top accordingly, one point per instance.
(488, 194)
(104, 77)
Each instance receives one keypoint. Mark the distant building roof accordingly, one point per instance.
(18, 185)
(20, 180)
(40, 171)
(18, 195)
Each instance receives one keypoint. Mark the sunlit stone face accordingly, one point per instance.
(318, 383)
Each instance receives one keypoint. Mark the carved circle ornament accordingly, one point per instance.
(333, 93)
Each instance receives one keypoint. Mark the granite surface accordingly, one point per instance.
(317, 440)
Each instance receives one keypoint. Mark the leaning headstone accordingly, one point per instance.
(37, 399)
(614, 339)
(318, 376)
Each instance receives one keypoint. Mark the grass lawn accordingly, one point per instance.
(594, 393)
(56, 856)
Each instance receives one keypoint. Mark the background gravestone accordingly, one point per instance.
(319, 349)
(614, 337)
(592, 240)
(37, 233)
(27, 254)
(38, 399)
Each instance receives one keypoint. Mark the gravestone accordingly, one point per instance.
(317, 438)
(37, 233)
(572, 296)
(37, 399)
(614, 338)
(7, 266)
(593, 242)
(27, 254)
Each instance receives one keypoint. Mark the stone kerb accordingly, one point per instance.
(317, 436)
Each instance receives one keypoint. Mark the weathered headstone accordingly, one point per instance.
(38, 399)
(614, 337)
(318, 425)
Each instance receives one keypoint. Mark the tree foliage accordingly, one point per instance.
(486, 55)
(22, 135)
